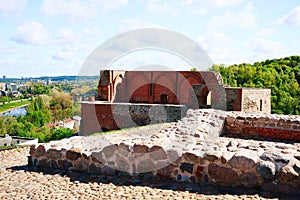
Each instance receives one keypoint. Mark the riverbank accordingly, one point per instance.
(11, 106)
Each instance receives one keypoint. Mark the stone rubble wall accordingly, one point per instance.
(250, 125)
(189, 150)
(114, 116)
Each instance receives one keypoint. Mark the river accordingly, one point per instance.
(15, 112)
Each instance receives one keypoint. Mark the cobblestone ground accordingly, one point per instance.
(17, 181)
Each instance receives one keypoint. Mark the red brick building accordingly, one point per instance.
(193, 89)
(129, 98)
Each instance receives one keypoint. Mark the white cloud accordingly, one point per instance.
(9, 50)
(225, 3)
(226, 49)
(80, 9)
(242, 19)
(214, 39)
(261, 49)
(199, 7)
(292, 18)
(64, 54)
(264, 46)
(12, 7)
(71, 45)
(132, 24)
(31, 32)
(162, 7)
(265, 32)
(219, 47)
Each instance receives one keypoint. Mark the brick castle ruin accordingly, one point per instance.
(127, 98)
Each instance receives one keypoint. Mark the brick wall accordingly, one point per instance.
(280, 127)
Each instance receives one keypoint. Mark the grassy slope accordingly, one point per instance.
(9, 106)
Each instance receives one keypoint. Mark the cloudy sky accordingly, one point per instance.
(54, 37)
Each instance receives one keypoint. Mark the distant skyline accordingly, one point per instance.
(54, 37)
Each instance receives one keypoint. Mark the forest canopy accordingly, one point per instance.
(282, 76)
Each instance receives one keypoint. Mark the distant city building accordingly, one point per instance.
(2, 86)
(11, 87)
(8, 140)
(49, 82)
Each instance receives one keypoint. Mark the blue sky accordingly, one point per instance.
(54, 37)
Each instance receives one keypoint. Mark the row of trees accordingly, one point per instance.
(282, 76)
(42, 110)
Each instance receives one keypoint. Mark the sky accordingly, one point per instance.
(55, 37)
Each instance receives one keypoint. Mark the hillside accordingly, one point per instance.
(282, 76)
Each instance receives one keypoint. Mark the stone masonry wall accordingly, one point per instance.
(250, 125)
(188, 150)
(256, 100)
(97, 116)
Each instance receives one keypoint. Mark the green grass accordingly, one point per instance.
(127, 129)
(8, 106)
(6, 147)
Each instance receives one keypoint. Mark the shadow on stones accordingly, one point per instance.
(148, 180)
(260, 139)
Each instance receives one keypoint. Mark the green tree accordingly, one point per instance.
(281, 75)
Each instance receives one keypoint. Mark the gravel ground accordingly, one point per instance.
(17, 181)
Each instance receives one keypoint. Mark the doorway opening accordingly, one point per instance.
(164, 98)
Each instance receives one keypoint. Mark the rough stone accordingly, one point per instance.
(98, 157)
(226, 156)
(40, 151)
(145, 165)
(188, 167)
(64, 164)
(53, 164)
(221, 174)
(42, 163)
(53, 154)
(289, 176)
(166, 172)
(73, 154)
(109, 151)
(81, 165)
(199, 173)
(191, 158)
(109, 170)
(266, 170)
(32, 149)
(123, 164)
(157, 153)
(244, 159)
(276, 157)
(212, 155)
(139, 149)
(249, 179)
(94, 169)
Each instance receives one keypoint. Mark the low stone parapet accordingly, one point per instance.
(189, 150)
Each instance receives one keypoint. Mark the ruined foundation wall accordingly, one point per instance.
(250, 125)
(113, 116)
(189, 151)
